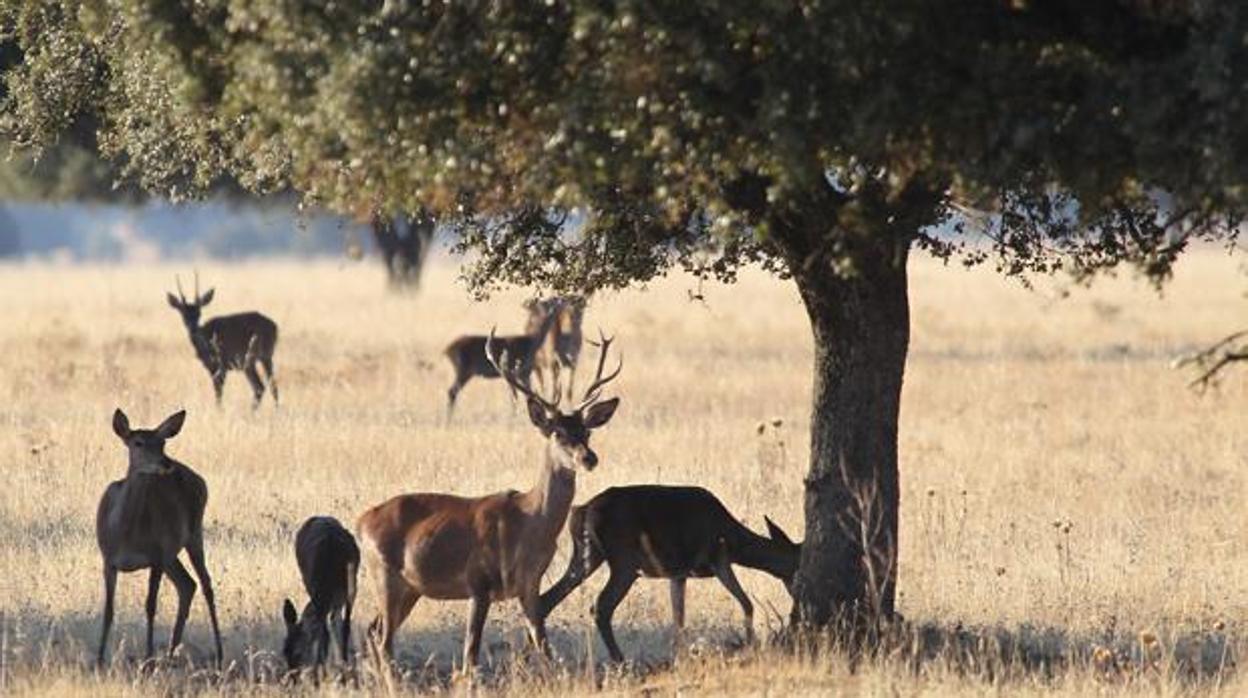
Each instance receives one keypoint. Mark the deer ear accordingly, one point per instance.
(600, 413)
(776, 533)
(171, 426)
(121, 424)
(537, 414)
(173, 301)
(207, 297)
(289, 614)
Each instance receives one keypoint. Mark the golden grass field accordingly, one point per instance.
(1064, 494)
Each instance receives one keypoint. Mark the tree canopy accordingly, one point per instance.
(1100, 133)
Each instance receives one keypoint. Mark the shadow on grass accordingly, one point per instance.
(428, 658)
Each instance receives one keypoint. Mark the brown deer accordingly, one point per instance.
(146, 519)
(468, 355)
(670, 533)
(490, 548)
(561, 345)
(328, 561)
(229, 342)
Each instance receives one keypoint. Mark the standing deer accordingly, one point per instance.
(468, 355)
(328, 560)
(229, 342)
(488, 548)
(146, 519)
(561, 345)
(670, 533)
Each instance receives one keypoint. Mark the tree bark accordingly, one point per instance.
(861, 325)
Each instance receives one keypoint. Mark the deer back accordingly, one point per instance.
(233, 335)
(449, 547)
(674, 532)
(328, 559)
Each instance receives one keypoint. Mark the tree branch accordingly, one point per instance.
(1215, 358)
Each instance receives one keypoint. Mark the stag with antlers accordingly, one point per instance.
(242, 342)
(491, 548)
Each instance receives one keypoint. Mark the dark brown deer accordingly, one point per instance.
(467, 354)
(491, 548)
(670, 533)
(146, 519)
(561, 345)
(240, 342)
(328, 561)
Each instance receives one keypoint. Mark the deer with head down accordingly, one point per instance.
(241, 342)
(672, 533)
(145, 519)
(485, 549)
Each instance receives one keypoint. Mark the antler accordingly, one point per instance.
(511, 380)
(181, 295)
(594, 391)
(196, 285)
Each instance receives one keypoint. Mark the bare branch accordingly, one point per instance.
(1215, 358)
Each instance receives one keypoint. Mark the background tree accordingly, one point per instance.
(822, 139)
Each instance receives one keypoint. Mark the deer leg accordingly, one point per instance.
(677, 590)
(267, 362)
(195, 550)
(585, 561)
(452, 393)
(110, 592)
(257, 385)
(480, 608)
(218, 384)
(723, 572)
(571, 381)
(322, 643)
(186, 591)
(397, 598)
(153, 590)
(344, 634)
(611, 596)
(530, 602)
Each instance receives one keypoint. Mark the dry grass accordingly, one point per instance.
(1062, 490)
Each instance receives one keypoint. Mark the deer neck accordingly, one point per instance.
(756, 552)
(551, 498)
(136, 491)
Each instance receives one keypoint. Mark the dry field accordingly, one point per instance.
(1064, 495)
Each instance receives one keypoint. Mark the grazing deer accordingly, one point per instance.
(468, 356)
(561, 345)
(489, 548)
(145, 519)
(230, 342)
(328, 561)
(670, 533)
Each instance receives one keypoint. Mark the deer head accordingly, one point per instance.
(190, 310)
(299, 648)
(147, 446)
(790, 552)
(567, 433)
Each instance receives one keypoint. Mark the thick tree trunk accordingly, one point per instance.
(861, 326)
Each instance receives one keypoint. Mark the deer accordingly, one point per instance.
(241, 342)
(491, 548)
(468, 355)
(561, 345)
(328, 559)
(672, 533)
(145, 519)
